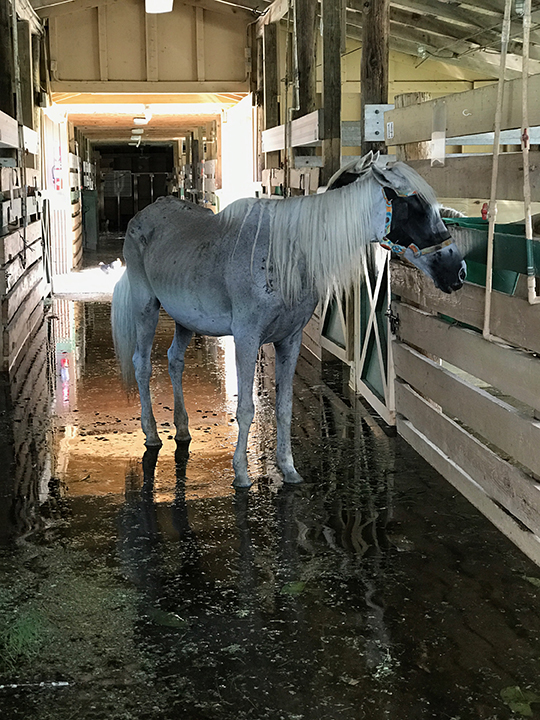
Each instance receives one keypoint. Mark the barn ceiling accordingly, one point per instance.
(465, 34)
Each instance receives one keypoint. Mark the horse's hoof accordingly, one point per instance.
(292, 478)
(243, 481)
(153, 443)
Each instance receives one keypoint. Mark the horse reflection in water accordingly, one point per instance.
(257, 271)
(291, 564)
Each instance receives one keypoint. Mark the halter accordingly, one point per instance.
(401, 249)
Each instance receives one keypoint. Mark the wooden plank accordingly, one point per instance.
(512, 318)
(21, 327)
(21, 290)
(469, 351)
(496, 421)
(9, 131)
(10, 179)
(501, 481)
(15, 269)
(11, 212)
(526, 541)
(469, 176)
(467, 113)
(12, 244)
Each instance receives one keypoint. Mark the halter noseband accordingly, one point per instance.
(401, 249)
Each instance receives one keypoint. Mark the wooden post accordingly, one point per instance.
(7, 91)
(24, 41)
(306, 21)
(271, 85)
(374, 68)
(331, 150)
(412, 151)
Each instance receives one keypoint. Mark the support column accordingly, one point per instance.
(374, 68)
(331, 149)
(271, 85)
(7, 90)
(24, 41)
(306, 22)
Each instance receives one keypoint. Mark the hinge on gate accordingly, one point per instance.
(393, 320)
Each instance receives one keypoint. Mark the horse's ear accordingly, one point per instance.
(384, 175)
(351, 172)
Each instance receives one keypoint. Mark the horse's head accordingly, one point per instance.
(408, 221)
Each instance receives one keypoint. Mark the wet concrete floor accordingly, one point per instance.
(136, 585)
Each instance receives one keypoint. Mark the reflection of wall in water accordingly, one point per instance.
(24, 431)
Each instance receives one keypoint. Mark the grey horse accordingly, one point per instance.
(256, 271)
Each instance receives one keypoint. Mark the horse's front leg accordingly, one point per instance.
(246, 359)
(175, 354)
(146, 323)
(286, 356)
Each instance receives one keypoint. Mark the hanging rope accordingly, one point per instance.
(495, 169)
(525, 145)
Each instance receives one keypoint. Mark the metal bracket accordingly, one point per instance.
(374, 121)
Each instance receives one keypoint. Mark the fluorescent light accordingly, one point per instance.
(137, 131)
(140, 121)
(158, 6)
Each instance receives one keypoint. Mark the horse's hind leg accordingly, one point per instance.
(146, 311)
(286, 356)
(175, 354)
(246, 359)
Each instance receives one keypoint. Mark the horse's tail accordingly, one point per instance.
(123, 329)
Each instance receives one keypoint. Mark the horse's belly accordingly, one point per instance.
(197, 318)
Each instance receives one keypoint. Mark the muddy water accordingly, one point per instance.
(141, 586)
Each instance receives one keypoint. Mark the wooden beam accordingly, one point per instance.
(138, 86)
(102, 43)
(501, 481)
(53, 9)
(374, 67)
(331, 90)
(151, 47)
(199, 44)
(469, 176)
(466, 113)
(463, 482)
(514, 433)
(513, 319)
(469, 351)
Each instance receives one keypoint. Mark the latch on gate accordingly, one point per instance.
(394, 320)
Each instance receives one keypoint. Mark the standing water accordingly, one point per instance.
(141, 585)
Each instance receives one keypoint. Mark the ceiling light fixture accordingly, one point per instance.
(158, 6)
(140, 121)
(137, 131)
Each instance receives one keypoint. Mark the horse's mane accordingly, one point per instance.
(317, 241)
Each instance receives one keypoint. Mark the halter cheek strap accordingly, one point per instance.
(401, 249)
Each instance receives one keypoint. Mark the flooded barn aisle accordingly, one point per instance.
(137, 585)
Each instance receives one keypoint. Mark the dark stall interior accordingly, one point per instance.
(130, 179)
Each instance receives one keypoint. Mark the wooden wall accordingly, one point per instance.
(470, 406)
